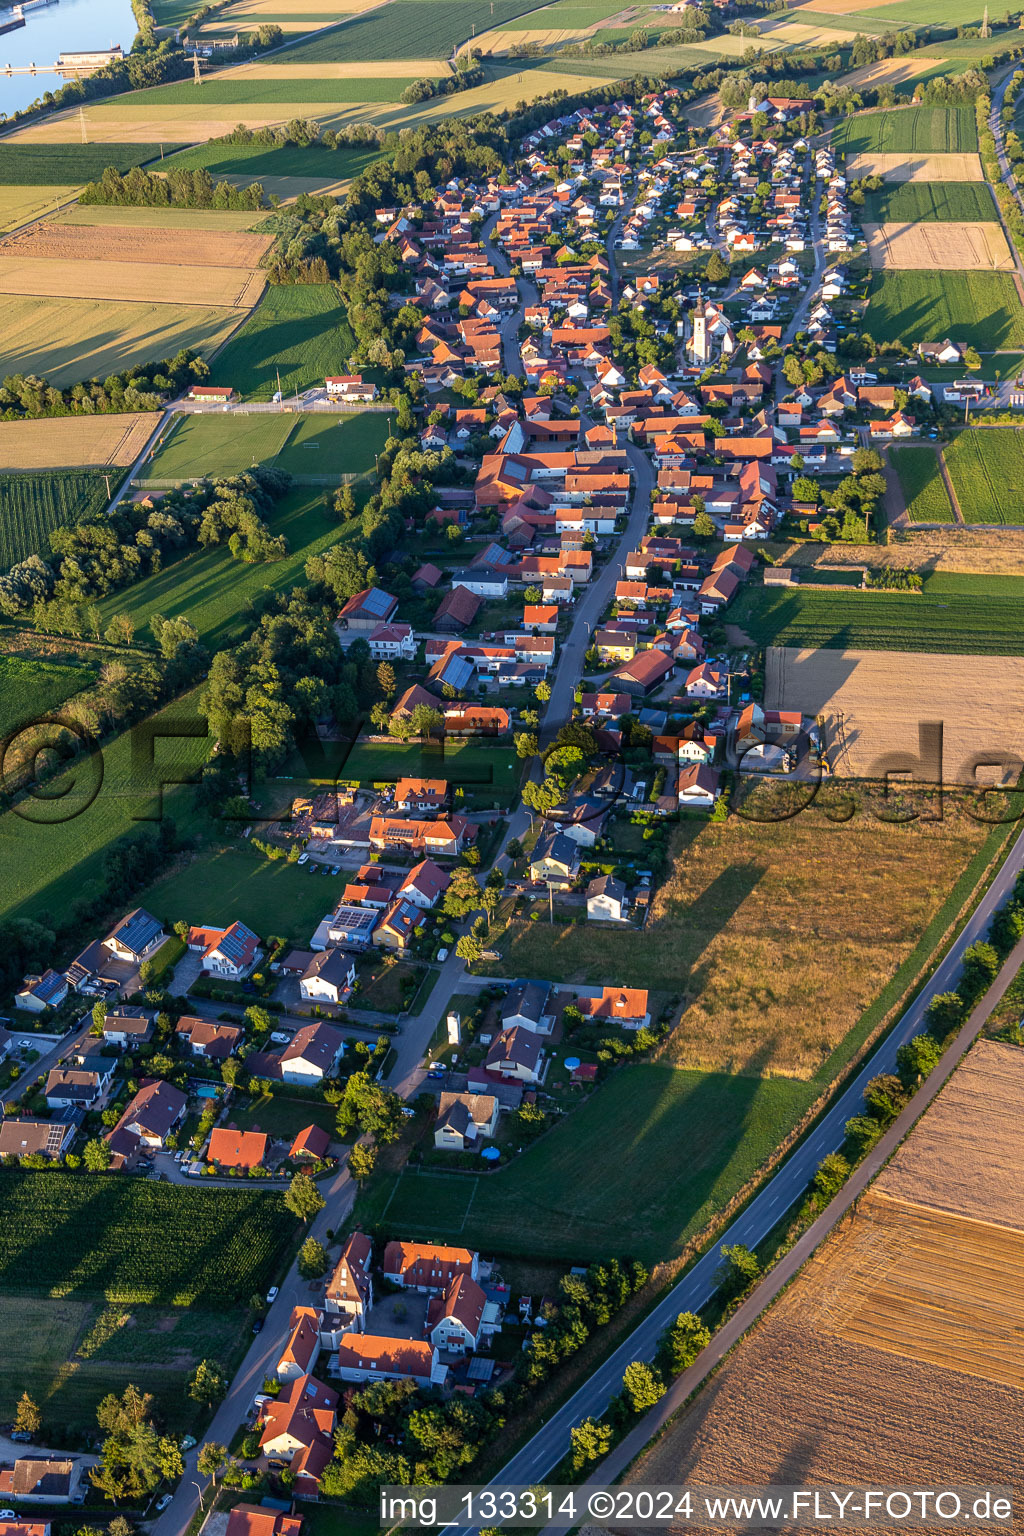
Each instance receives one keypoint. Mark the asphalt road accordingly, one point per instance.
(551, 1442)
(47, 1061)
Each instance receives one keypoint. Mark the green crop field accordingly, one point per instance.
(638, 1169)
(944, 202)
(987, 471)
(214, 590)
(469, 764)
(52, 850)
(652, 61)
(928, 130)
(568, 13)
(978, 307)
(254, 161)
(129, 1240)
(255, 89)
(31, 688)
(298, 332)
(921, 482)
(219, 445)
(54, 165)
(961, 614)
(239, 884)
(334, 445)
(409, 29)
(32, 505)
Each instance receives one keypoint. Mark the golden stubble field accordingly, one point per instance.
(934, 247)
(74, 442)
(883, 697)
(203, 248)
(774, 935)
(914, 167)
(895, 1357)
(890, 71)
(998, 551)
(132, 282)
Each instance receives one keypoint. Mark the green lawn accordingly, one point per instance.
(47, 864)
(476, 768)
(62, 165)
(924, 490)
(213, 589)
(272, 897)
(283, 1117)
(298, 333)
(31, 688)
(219, 445)
(929, 130)
(962, 614)
(987, 471)
(912, 202)
(334, 445)
(254, 161)
(979, 307)
(638, 1169)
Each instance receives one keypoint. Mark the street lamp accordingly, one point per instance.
(195, 1485)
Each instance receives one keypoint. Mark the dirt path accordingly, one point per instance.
(896, 514)
(947, 482)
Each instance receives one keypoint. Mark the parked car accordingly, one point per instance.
(257, 1326)
(279, 1037)
(303, 857)
(8, 1514)
(161, 1504)
(272, 1295)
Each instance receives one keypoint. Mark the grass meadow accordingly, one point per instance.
(957, 613)
(213, 589)
(925, 130)
(334, 445)
(940, 202)
(297, 332)
(32, 505)
(49, 863)
(252, 162)
(924, 490)
(252, 90)
(987, 471)
(638, 1169)
(64, 165)
(980, 307)
(239, 884)
(303, 444)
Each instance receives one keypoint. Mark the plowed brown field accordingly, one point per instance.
(63, 242)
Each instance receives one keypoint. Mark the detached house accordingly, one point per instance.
(365, 1357)
(455, 1321)
(230, 953)
(128, 1025)
(155, 1111)
(136, 938)
(555, 860)
(298, 1427)
(516, 1053)
(427, 1267)
(625, 1006)
(313, 1054)
(349, 1294)
(464, 1119)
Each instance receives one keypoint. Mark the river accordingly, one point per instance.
(54, 29)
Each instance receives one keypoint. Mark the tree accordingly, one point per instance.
(27, 1417)
(211, 1459)
(792, 371)
(542, 692)
(641, 1386)
(590, 1441)
(739, 1270)
(527, 744)
(96, 1155)
(208, 1383)
(945, 1013)
(369, 1108)
(716, 270)
(831, 1174)
(469, 948)
(972, 358)
(703, 526)
(386, 678)
(361, 1161)
(981, 966)
(885, 1097)
(313, 1259)
(684, 1341)
(543, 797)
(514, 848)
(134, 1458)
(864, 461)
(120, 1526)
(303, 1198)
(916, 1058)
(806, 489)
(463, 894)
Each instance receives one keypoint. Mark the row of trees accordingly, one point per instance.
(145, 387)
(179, 188)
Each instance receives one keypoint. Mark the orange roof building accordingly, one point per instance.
(236, 1149)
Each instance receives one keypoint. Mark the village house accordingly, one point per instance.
(456, 1320)
(152, 1115)
(349, 1293)
(425, 884)
(527, 1004)
(464, 1120)
(136, 938)
(301, 1352)
(364, 1357)
(42, 1479)
(209, 1041)
(329, 977)
(624, 1006)
(312, 1055)
(516, 1053)
(262, 1520)
(230, 1148)
(426, 1267)
(38, 993)
(128, 1025)
(22, 1137)
(607, 899)
(298, 1427)
(368, 610)
(555, 860)
(228, 953)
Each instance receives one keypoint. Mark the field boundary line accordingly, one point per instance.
(947, 479)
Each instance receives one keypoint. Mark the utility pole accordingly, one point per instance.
(280, 397)
(195, 66)
(81, 118)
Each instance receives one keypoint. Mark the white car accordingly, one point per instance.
(8, 1514)
(279, 1037)
(442, 954)
(162, 1504)
(272, 1295)
(303, 857)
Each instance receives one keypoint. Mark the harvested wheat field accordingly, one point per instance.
(800, 34)
(929, 1270)
(153, 125)
(66, 340)
(135, 282)
(911, 167)
(62, 242)
(74, 442)
(890, 71)
(19, 204)
(996, 552)
(883, 696)
(198, 221)
(386, 69)
(500, 40)
(930, 247)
